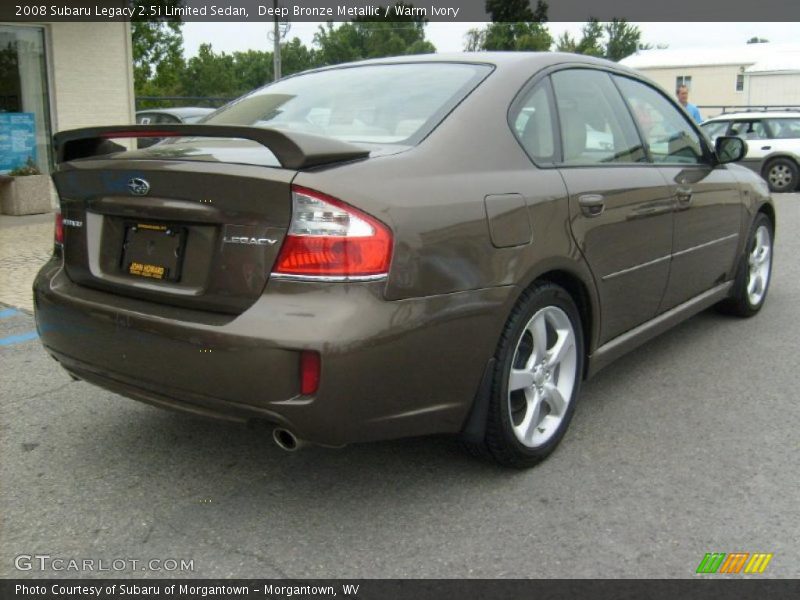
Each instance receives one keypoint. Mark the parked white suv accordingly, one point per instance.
(773, 141)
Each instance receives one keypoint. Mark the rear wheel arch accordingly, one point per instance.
(768, 159)
(473, 430)
(535, 377)
(580, 293)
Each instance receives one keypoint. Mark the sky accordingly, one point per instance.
(449, 37)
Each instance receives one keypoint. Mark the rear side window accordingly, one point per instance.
(596, 127)
(783, 129)
(533, 125)
(383, 104)
(669, 136)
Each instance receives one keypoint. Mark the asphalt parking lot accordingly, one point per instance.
(687, 446)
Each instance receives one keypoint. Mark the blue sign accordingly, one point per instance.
(17, 140)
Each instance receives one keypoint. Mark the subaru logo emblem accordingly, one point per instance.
(138, 186)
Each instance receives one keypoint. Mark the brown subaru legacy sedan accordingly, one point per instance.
(399, 247)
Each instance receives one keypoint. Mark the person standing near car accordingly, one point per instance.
(683, 97)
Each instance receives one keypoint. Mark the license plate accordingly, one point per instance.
(153, 251)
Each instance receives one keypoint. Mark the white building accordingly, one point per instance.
(57, 76)
(744, 75)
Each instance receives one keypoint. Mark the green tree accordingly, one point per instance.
(338, 44)
(251, 69)
(614, 40)
(623, 39)
(362, 38)
(514, 26)
(514, 11)
(591, 42)
(295, 57)
(157, 53)
(566, 43)
(210, 74)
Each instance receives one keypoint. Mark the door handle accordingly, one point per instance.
(766, 147)
(684, 198)
(592, 205)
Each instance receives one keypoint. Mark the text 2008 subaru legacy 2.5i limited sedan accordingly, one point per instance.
(442, 244)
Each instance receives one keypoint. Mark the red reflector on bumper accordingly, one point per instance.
(309, 372)
(58, 233)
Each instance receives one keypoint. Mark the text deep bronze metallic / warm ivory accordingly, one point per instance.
(408, 246)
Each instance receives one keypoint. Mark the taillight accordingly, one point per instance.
(328, 238)
(58, 233)
(309, 372)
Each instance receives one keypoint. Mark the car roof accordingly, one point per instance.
(755, 114)
(180, 111)
(501, 60)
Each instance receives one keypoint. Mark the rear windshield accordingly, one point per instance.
(382, 104)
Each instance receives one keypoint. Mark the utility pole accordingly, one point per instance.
(276, 45)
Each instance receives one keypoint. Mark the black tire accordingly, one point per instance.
(500, 441)
(782, 174)
(740, 303)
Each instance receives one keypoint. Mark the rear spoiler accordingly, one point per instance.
(292, 149)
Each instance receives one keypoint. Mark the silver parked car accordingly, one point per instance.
(169, 116)
(773, 142)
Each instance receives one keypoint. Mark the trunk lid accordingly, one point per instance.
(204, 236)
(191, 222)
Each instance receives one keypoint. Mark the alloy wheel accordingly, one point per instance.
(542, 377)
(759, 262)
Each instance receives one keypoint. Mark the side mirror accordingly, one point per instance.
(730, 149)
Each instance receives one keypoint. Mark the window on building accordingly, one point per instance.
(682, 80)
(740, 82)
(24, 106)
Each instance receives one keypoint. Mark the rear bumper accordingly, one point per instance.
(389, 369)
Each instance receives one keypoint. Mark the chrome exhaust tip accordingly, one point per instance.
(286, 440)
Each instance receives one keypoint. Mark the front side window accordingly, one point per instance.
(533, 125)
(596, 128)
(784, 129)
(383, 104)
(750, 130)
(667, 132)
(714, 129)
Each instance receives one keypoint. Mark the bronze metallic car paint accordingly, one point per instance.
(474, 221)
(628, 246)
(707, 230)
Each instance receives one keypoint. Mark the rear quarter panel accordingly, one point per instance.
(433, 198)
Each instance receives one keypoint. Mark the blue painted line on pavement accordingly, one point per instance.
(9, 312)
(18, 339)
